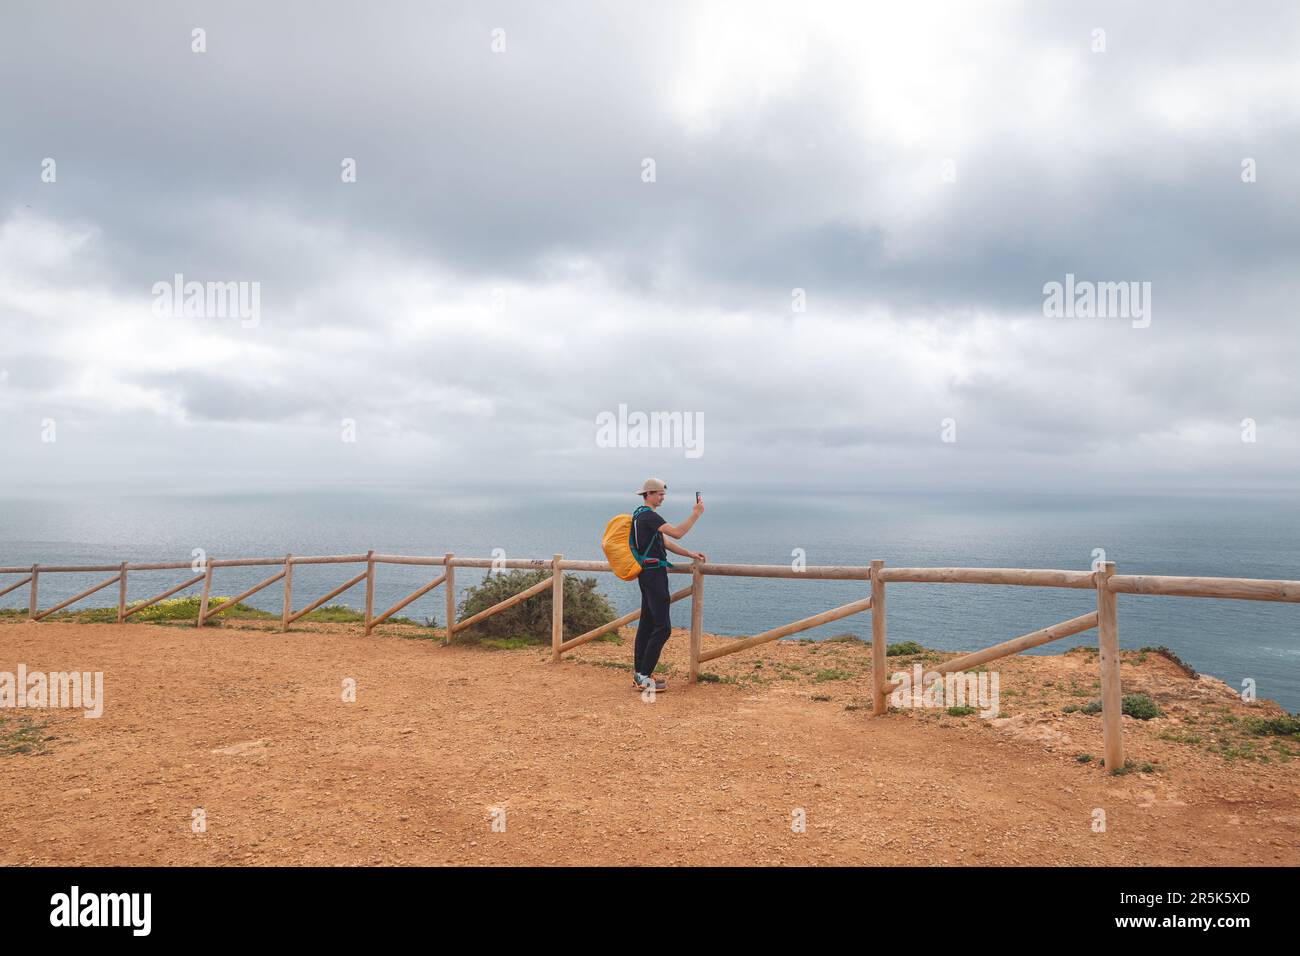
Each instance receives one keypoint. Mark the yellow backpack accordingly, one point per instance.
(624, 560)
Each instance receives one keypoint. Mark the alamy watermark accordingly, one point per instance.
(75, 689)
(1098, 300)
(626, 429)
(75, 908)
(208, 300)
(956, 689)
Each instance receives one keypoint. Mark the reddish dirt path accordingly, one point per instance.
(250, 725)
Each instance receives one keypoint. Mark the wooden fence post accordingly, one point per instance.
(879, 699)
(450, 585)
(207, 590)
(697, 618)
(288, 593)
(1112, 694)
(370, 588)
(557, 607)
(31, 600)
(121, 593)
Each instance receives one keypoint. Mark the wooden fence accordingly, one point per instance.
(1106, 584)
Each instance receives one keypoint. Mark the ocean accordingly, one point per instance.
(1221, 537)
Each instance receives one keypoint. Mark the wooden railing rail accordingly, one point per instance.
(1104, 582)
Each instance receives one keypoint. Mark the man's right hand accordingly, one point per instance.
(698, 509)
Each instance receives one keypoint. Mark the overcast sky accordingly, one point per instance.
(501, 273)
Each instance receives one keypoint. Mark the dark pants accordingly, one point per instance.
(653, 628)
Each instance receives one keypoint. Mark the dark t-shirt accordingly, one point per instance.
(644, 527)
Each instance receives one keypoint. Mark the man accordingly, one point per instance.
(650, 534)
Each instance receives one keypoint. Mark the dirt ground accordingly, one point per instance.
(250, 726)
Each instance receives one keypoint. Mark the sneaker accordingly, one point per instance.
(642, 682)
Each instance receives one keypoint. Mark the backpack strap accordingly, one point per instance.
(643, 556)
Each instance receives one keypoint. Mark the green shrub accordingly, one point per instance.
(905, 647)
(584, 608)
(1165, 652)
(960, 711)
(1140, 707)
(1274, 726)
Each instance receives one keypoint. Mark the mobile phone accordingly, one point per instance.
(697, 496)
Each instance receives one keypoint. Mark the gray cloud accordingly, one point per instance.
(500, 274)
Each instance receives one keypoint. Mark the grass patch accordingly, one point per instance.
(176, 610)
(1131, 767)
(428, 634)
(172, 611)
(960, 711)
(1179, 736)
(1274, 727)
(845, 639)
(515, 643)
(1231, 750)
(23, 735)
(342, 614)
(186, 611)
(831, 673)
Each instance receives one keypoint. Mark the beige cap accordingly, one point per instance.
(652, 484)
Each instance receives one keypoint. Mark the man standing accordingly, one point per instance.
(650, 533)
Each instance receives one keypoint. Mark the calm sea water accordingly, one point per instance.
(1230, 537)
